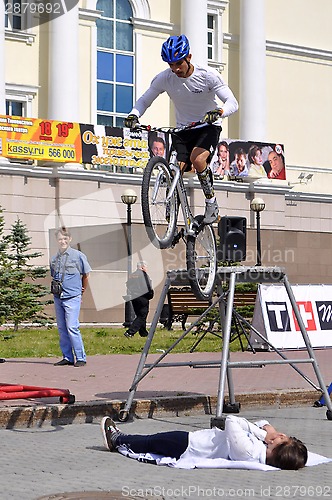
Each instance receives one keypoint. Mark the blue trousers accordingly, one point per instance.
(67, 313)
(169, 444)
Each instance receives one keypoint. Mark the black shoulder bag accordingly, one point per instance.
(56, 285)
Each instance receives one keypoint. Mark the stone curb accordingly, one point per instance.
(88, 412)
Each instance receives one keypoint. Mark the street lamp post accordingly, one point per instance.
(257, 205)
(129, 197)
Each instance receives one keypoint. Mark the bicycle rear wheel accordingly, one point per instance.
(202, 262)
(159, 215)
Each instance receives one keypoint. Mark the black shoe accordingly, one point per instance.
(64, 362)
(128, 334)
(110, 433)
(143, 334)
(80, 363)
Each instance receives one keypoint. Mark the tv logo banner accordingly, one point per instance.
(275, 319)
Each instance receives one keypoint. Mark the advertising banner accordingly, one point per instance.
(106, 147)
(274, 316)
(36, 139)
(100, 147)
(241, 160)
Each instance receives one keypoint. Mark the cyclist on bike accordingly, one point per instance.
(194, 91)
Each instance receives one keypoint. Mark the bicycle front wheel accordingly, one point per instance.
(159, 214)
(202, 262)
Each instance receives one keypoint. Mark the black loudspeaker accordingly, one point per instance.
(233, 239)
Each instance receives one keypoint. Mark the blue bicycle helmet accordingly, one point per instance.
(175, 49)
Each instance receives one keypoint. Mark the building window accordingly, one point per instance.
(15, 108)
(210, 37)
(13, 15)
(115, 62)
(215, 33)
(19, 99)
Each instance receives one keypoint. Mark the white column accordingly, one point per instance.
(63, 99)
(2, 60)
(2, 68)
(252, 71)
(194, 26)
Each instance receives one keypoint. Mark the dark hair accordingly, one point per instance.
(252, 152)
(64, 231)
(222, 143)
(280, 155)
(240, 151)
(158, 139)
(290, 455)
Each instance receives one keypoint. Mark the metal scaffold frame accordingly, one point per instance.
(229, 276)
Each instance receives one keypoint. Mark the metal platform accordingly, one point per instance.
(229, 276)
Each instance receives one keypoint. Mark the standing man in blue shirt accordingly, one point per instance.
(70, 273)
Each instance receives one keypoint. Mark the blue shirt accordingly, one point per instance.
(69, 267)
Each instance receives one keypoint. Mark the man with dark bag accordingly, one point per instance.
(139, 286)
(70, 273)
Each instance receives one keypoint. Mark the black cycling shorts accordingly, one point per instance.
(203, 137)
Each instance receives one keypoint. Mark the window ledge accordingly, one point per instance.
(219, 66)
(20, 36)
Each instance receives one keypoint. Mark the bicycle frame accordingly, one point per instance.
(178, 184)
(163, 189)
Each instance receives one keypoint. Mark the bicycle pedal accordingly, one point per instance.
(177, 238)
(197, 223)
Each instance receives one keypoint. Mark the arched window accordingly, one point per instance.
(115, 62)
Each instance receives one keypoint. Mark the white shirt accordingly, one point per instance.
(192, 96)
(241, 440)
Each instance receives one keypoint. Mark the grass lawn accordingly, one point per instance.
(37, 343)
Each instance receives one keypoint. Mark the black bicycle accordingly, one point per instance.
(163, 192)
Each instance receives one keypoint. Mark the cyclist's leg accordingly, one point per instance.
(199, 157)
(203, 141)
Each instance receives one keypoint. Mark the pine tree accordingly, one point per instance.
(25, 298)
(4, 273)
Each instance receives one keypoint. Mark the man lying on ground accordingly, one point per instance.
(241, 440)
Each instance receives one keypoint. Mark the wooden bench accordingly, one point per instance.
(245, 299)
(182, 303)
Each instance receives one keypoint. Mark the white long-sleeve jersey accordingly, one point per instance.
(241, 440)
(192, 96)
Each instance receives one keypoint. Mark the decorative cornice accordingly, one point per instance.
(219, 66)
(217, 4)
(20, 36)
(47, 172)
(148, 24)
(298, 50)
(18, 89)
(310, 170)
(311, 197)
(89, 14)
(141, 9)
(286, 48)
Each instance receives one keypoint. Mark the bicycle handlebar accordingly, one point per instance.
(171, 130)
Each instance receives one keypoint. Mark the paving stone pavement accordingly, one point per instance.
(103, 384)
(45, 458)
(70, 461)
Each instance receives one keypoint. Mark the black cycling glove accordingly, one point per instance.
(212, 116)
(130, 121)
